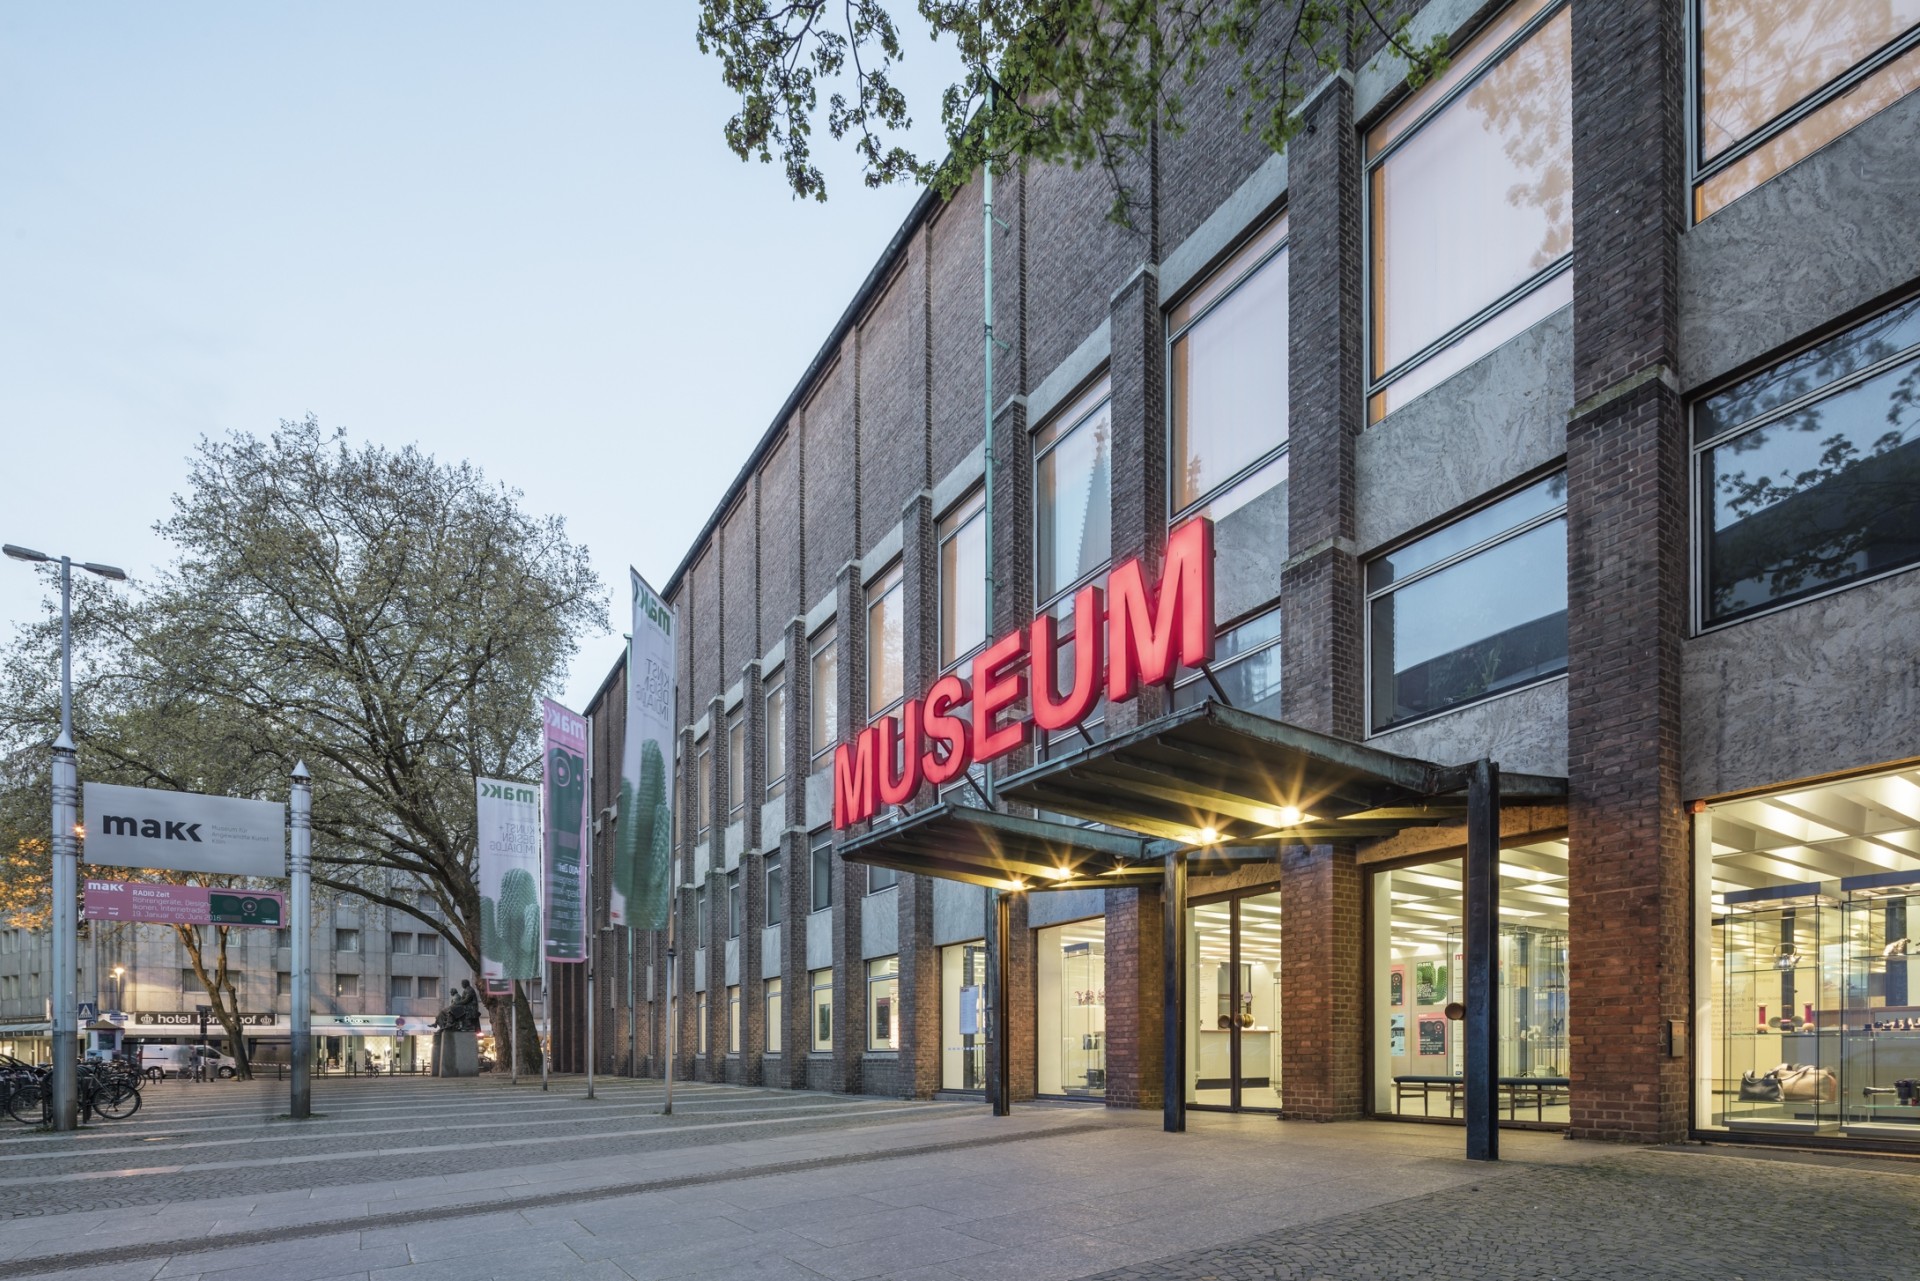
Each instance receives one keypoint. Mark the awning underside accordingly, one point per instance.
(1214, 775)
(1228, 786)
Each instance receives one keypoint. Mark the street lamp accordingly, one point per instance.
(66, 851)
(119, 987)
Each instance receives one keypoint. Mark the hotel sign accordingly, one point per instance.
(1132, 635)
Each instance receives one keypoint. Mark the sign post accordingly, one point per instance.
(300, 872)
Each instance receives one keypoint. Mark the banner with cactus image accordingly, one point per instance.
(643, 834)
(565, 754)
(508, 844)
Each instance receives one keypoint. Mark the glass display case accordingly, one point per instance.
(1880, 1040)
(1083, 1019)
(1781, 952)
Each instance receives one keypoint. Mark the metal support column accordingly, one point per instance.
(1000, 1069)
(592, 940)
(1173, 981)
(1482, 891)
(300, 935)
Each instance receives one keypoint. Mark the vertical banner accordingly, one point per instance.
(508, 843)
(643, 837)
(565, 754)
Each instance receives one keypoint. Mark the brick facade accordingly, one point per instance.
(886, 430)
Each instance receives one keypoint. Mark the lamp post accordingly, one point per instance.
(119, 987)
(66, 850)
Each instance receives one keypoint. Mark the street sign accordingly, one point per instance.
(89, 1011)
(162, 904)
(184, 832)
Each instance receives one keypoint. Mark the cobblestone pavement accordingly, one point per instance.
(413, 1180)
(1667, 1214)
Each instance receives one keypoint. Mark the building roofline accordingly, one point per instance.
(877, 278)
(600, 694)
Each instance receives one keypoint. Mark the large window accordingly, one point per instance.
(1809, 472)
(703, 786)
(733, 904)
(820, 876)
(733, 1020)
(1070, 988)
(1246, 662)
(776, 1035)
(1475, 609)
(1072, 484)
(822, 983)
(963, 579)
(963, 1039)
(881, 878)
(1227, 371)
(823, 695)
(1419, 969)
(776, 890)
(736, 764)
(776, 734)
(700, 916)
(1779, 79)
(883, 1003)
(1470, 211)
(886, 645)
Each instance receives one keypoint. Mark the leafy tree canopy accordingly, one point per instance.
(1075, 82)
(387, 618)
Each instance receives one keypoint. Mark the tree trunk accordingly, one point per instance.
(220, 992)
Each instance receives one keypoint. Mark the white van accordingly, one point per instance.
(158, 1061)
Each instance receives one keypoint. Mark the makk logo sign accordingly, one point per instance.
(184, 832)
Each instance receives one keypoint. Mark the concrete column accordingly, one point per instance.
(1629, 871)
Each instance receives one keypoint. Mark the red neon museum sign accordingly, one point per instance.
(1141, 636)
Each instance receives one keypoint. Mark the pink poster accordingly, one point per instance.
(182, 904)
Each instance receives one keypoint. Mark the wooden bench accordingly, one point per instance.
(1538, 1092)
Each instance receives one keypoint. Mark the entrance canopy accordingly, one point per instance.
(1212, 775)
(1001, 852)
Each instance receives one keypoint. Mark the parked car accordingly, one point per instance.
(158, 1061)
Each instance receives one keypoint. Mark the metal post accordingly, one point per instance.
(546, 1007)
(513, 1030)
(1173, 981)
(1482, 891)
(986, 374)
(673, 911)
(633, 1010)
(1001, 1076)
(66, 878)
(299, 1004)
(592, 939)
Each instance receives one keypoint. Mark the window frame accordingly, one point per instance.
(1700, 171)
(733, 1021)
(891, 579)
(702, 787)
(776, 742)
(773, 1003)
(700, 926)
(736, 732)
(820, 851)
(814, 988)
(1372, 385)
(1699, 536)
(1274, 606)
(1278, 217)
(876, 979)
(735, 904)
(827, 638)
(874, 879)
(1070, 415)
(1368, 596)
(971, 507)
(773, 888)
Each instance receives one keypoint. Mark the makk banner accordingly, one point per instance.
(643, 835)
(565, 755)
(508, 841)
(184, 831)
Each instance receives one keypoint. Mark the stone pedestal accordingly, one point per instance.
(456, 1053)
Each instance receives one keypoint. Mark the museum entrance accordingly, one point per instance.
(1233, 1001)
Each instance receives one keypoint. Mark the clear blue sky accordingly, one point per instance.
(510, 233)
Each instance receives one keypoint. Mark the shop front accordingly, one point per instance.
(1804, 955)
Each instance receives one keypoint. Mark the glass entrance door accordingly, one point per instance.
(1233, 1003)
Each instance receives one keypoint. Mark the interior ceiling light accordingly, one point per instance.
(1208, 835)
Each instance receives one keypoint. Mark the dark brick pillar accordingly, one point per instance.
(1136, 1017)
(918, 1074)
(795, 852)
(753, 877)
(849, 881)
(716, 885)
(1139, 409)
(1629, 869)
(1321, 885)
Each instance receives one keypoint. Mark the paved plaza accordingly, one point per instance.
(422, 1180)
